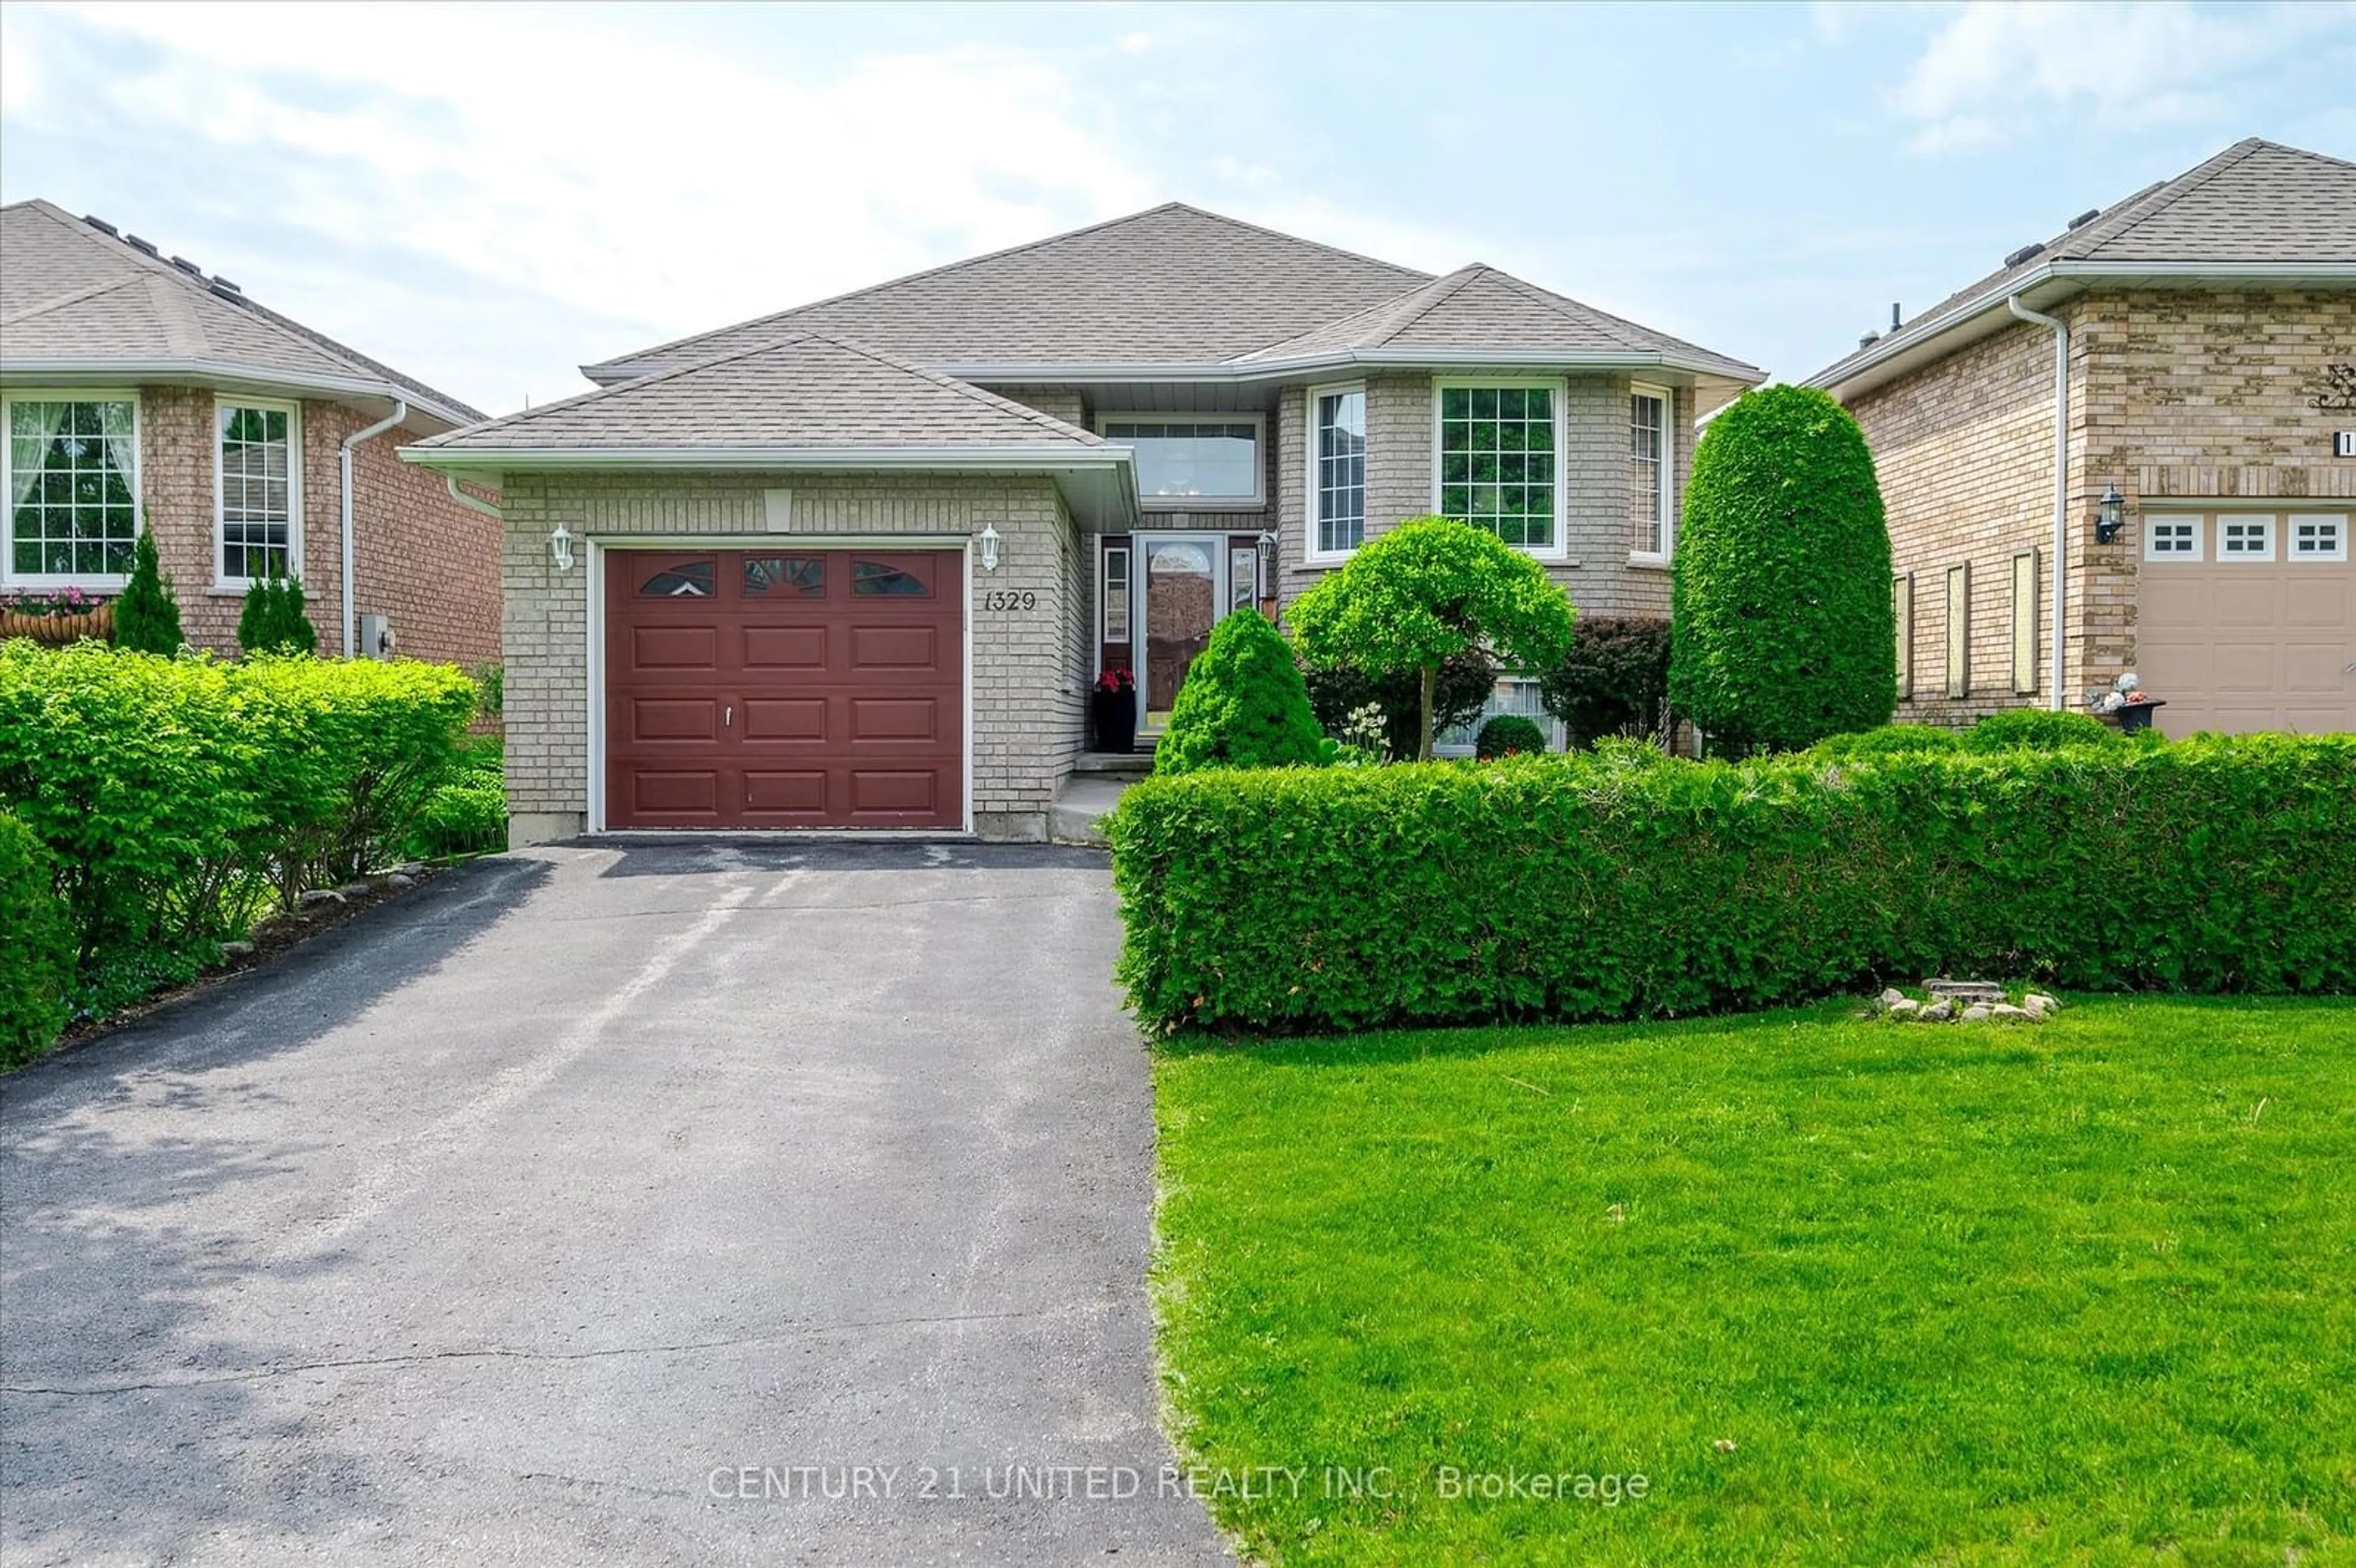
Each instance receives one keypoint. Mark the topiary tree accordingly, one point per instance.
(1509, 734)
(146, 615)
(1781, 631)
(1429, 590)
(272, 621)
(1457, 697)
(1242, 705)
(1614, 681)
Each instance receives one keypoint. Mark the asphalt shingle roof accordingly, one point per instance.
(808, 393)
(1174, 284)
(1477, 309)
(2258, 203)
(69, 293)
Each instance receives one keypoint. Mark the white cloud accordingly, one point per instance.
(585, 167)
(1999, 71)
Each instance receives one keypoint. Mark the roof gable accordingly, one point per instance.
(71, 294)
(1171, 285)
(808, 393)
(2258, 204)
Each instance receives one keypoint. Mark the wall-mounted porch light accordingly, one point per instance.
(990, 542)
(560, 545)
(2110, 515)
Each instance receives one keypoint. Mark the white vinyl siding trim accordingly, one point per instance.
(1652, 474)
(1336, 479)
(1556, 480)
(22, 449)
(245, 504)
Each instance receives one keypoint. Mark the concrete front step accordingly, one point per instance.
(1078, 812)
(1114, 765)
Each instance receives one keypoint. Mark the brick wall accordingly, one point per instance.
(1030, 667)
(428, 562)
(2172, 396)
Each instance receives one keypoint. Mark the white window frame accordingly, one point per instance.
(1310, 553)
(37, 580)
(1668, 499)
(2152, 524)
(294, 412)
(1255, 501)
(1106, 600)
(2344, 521)
(1560, 402)
(2264, 556)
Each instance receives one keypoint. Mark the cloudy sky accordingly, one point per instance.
(488, 197)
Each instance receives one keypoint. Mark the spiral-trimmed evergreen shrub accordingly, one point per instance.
(1243, 704)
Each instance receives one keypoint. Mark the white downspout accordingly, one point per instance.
(2060, 475)
(344, 463)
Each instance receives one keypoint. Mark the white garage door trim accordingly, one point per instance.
(2213, 544)
(594, 586)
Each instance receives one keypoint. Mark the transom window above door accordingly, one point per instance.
(1182, 459)
(1498, 462)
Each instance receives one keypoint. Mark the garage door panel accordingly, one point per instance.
(2314, 669)
(783, 648)
(841, 672)
(801, 791)
(893, 791)
(674, 719)
(2317, 596)
(2248, 601)
(785, 719)
(674, 648)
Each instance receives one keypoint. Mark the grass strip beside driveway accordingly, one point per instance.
(1838, 1291)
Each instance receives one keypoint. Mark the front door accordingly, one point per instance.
(1183, 588)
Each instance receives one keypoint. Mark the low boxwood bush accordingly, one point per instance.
(36, 948)
(1242, 704)
(2038, 727)
(1506, 735)
(178, 794)
(1586, 886)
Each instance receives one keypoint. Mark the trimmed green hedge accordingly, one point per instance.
(179, 795)
(1593, 887)
(35, 946)
(2039, 729)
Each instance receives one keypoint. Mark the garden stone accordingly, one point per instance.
(2037, 1001)
(398, 880)
(1939, 1011)
(1905, 1007)
(237, 949)
(322, 896)
(1976, 1012)
(1892, 997)
(2007, 1011)
(354, 889)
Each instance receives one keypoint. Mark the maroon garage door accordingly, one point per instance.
(784, 688)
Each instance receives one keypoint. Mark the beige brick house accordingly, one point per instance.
(2193, 349)
(139, 393)
(858, 564)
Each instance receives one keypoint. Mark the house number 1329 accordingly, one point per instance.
(1009, 599)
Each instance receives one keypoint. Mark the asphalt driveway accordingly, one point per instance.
(681, 1203)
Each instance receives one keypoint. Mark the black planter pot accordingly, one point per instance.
(2136, 715)
(1114, 716)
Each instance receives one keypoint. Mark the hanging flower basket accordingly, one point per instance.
(57, 619)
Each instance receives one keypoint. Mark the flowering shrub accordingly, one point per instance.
(64, 601)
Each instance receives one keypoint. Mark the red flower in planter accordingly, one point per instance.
(1116, 680)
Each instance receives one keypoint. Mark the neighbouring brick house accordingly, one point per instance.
(2210, 384)
(141, 393)
(858, 564)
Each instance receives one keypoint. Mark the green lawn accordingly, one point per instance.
(1842, 1292)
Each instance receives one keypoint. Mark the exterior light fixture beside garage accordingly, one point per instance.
(990, 543)
(2110, 515)
(560, 545)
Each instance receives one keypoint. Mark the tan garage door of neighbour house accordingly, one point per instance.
(784, 688)
(2246, 620)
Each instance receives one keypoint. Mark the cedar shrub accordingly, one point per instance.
(1781, 625)
(146, 614)
(274, 621)
(1242, 705)
(2040, 727)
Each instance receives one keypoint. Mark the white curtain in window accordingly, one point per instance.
(29, 423)
(121, 451)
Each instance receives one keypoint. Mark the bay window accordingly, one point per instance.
(258, 496)
(1337, 471)
(1498, 460)
(73, 488)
